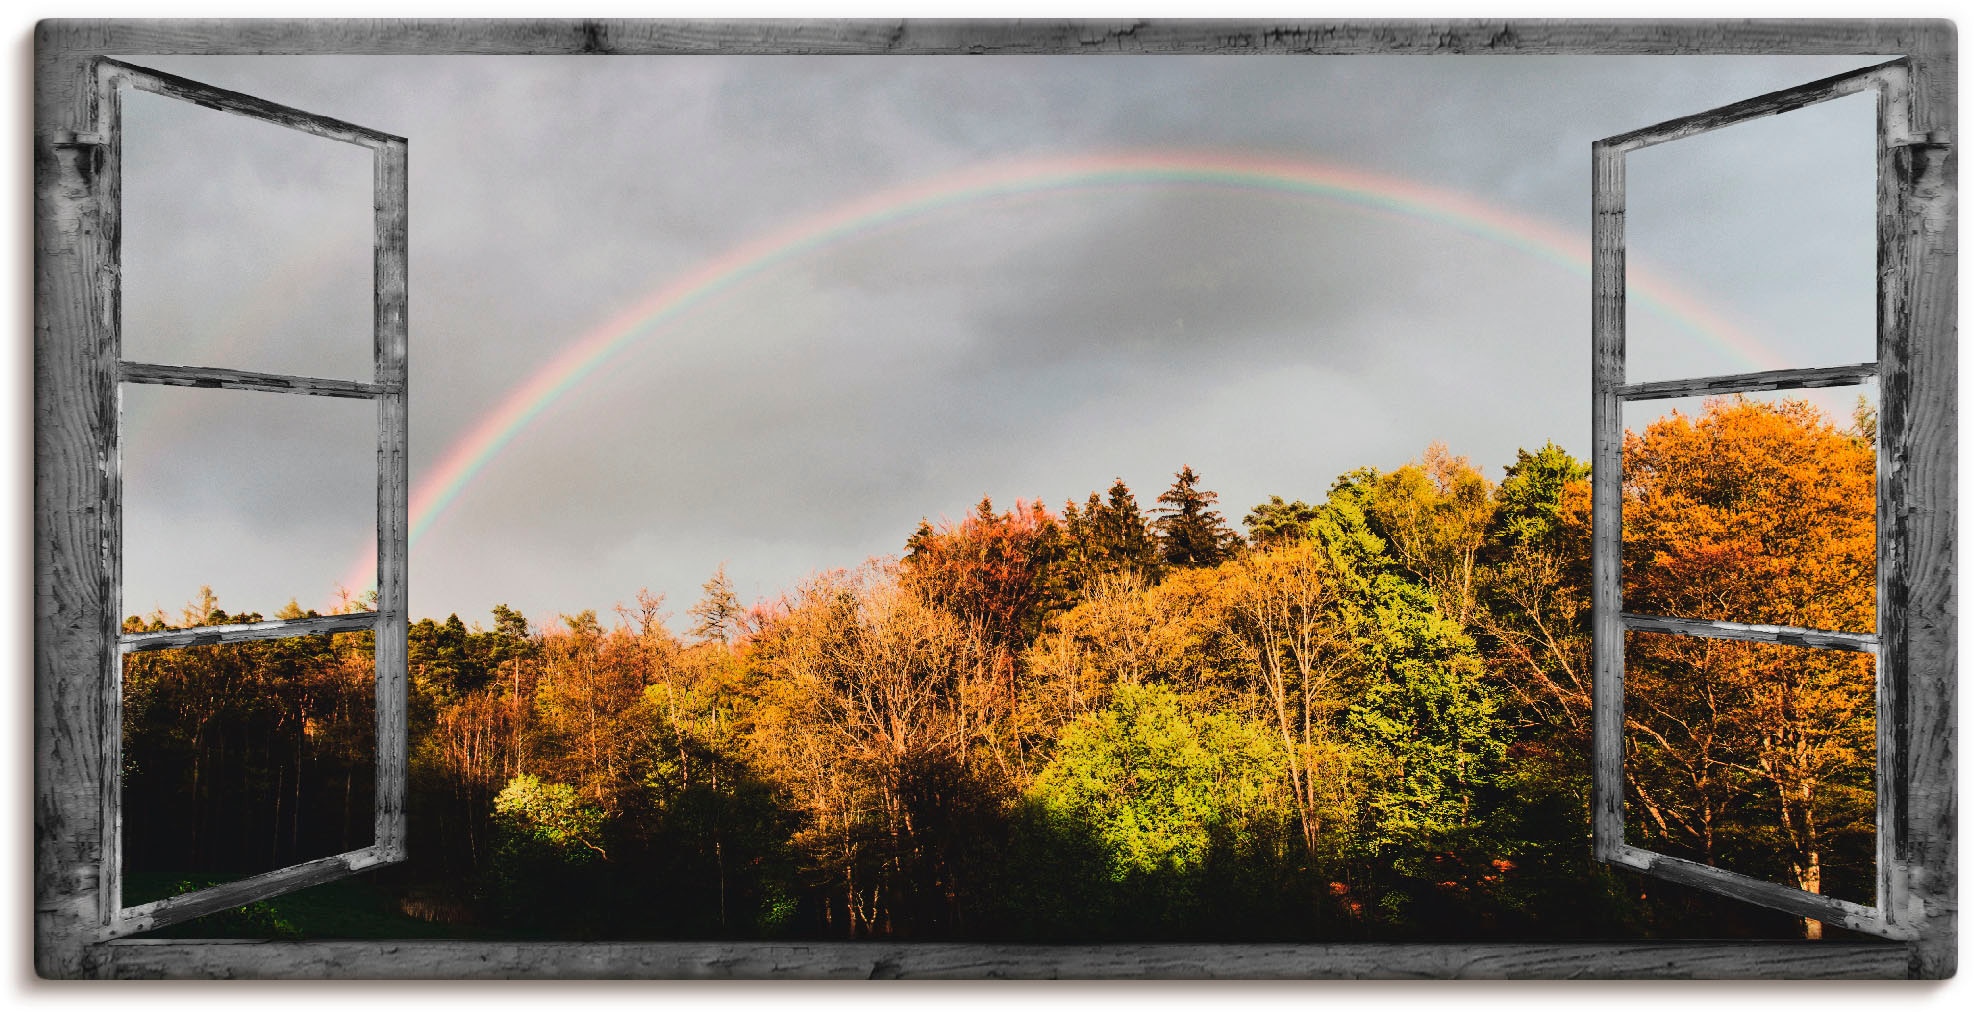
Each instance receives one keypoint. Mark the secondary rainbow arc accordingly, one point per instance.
(471, 453)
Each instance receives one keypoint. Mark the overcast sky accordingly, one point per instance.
(1034, 346)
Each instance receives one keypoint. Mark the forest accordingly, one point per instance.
(1362, 717)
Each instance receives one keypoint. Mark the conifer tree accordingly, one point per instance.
(1124, 531)
(1191, 530)
(1276, 521)
(716, 613)
(920, 541)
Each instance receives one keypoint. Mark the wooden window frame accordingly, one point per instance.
(1907, 205)
(77, 372)
(387, 388)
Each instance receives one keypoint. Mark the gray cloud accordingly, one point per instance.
(1039, 346)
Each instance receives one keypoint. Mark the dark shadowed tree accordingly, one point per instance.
(1191, 531)
(1110, 537)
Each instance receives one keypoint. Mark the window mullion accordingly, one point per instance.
(1751, 382)
(239, 379)
(211, 635)
(1786, 635)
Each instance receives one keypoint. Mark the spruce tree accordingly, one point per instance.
(1123, 533)
(1191, 531)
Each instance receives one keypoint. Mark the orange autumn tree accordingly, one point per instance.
(1752, 755)
(997, 572)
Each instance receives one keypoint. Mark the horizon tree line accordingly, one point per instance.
(1365, 717)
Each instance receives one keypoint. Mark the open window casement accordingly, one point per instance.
(79, 372)
(1911, 196)
(387, 388)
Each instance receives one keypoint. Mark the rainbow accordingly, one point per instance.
(497, 428)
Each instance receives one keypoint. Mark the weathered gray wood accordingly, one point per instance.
(937, 36)
(389, 351)
(1918, 349)
(1893, 879)
(76, 612)
(237, 379)
(274, 629)
(1751, 382)
(75, 423)
(222, 100)
(110, 175)
(1786, 899)
(1606, 644)
(99, 139)
(1915, 211)
(1787, 635)
(1771, 104)
(865, 961)
(225, 895)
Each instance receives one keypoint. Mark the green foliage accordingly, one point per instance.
(1160, 776)
(1863, 420)
(1429, 720)
(510, 624)
(1529, 500)
(1276, 521)
(552, 815)
(1161, 816)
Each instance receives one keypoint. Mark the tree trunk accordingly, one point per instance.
(1811, 881)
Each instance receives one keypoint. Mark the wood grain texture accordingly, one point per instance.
(222, 100)
(1609, 315)
(75, 410)
(1786, 899)
(1751, 382)
(110, 189)
(1787, 635)
(1771, 104)
(1893, 874)
(937, 36)
(275, 629)
(238, 379)
(865, 961)
(200, 902)
(390, 295)
(1918, 349)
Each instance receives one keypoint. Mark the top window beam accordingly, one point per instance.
(222, 100)
(1760, 106)
(1750, 382)
(1315, 36)
(239, 379)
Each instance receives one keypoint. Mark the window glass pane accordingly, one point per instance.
(265, 498)
(1753, 247)
(244, 758)
(1754, 757)
(246, 245)
(1760, 509)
